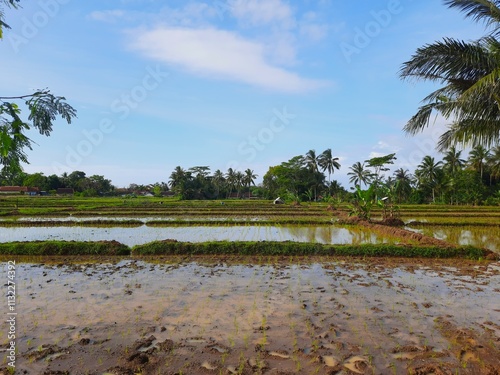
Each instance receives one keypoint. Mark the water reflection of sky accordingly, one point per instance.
(125, 218)
(487, 237)
(144, 234)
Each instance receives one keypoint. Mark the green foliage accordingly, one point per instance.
(467, 188)
(43, 108)
(389, 209)
(157, 190)
(294, 176)
(379, 162)
(362, 203)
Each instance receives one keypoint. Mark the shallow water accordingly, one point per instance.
(145, 234)
(487, 237)
(339, 309)
(125, 218)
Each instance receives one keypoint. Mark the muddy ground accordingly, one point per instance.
(257, 316)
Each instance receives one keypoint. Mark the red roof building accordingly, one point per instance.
(19, 190)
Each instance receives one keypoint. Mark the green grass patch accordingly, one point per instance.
(64, 248)
(172, 247)
(70, 223)
(262, 248)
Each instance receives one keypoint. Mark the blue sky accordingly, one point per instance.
(224, 83)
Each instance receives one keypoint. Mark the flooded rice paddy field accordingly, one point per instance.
(479, 236)
(226, 315)
(486, 237)
(144, 234)
(257, 316)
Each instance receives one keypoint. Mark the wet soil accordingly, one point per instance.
(239, 315)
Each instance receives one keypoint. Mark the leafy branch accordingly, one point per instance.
(43, 108)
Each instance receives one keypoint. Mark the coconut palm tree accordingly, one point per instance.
(230, 180)
(178, 179)
(218, 180)
(470, 72)
(328, 163)
(402, 185)
(453, 162)
(311, 160)
(200, 172)
(249, 179)
(359, 175)
(239, 181)
(427, 173)
(494, 163)
(477, 158)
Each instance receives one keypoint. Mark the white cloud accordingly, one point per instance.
(375, 154)
(218, 54)
(281, 49)
(311, 29)
(191, 14)
(381, 145)
(262, 12)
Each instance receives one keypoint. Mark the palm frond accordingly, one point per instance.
(487, 86)
(471, 132)
(449, 59)
(486, 11)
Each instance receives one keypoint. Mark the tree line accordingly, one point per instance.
(455, 179)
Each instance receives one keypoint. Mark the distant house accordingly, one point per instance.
(65, 191)
(12, 190)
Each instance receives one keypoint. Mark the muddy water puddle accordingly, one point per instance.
(221, 316)
(145, 234)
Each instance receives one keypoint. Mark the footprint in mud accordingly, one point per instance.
(218, 348)
(46, 352)
(209, 366)
(357, 364)
(430, 369)
(330, 361)
(409, 352)
(280, 354)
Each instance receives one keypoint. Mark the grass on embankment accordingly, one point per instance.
(300, 249)
(172, 247)
(64, 248)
